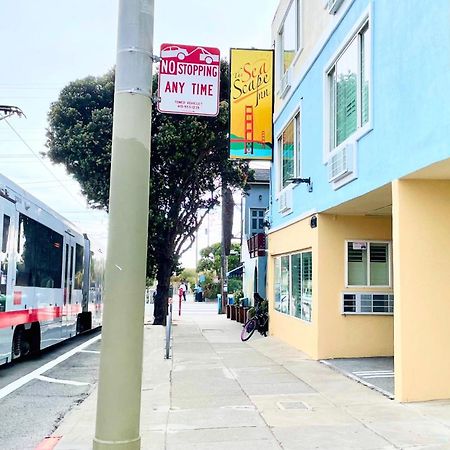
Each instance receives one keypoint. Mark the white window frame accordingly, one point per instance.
(368, 285)
(298, 5)
(297, 119)
(361, 131)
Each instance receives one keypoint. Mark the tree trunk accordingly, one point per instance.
(162, 294)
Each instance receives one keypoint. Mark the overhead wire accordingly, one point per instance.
(42, 162)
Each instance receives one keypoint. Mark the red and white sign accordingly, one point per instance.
(189, 79)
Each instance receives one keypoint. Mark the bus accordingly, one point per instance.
(51, 279)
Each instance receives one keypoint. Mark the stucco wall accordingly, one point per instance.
(298, 333)
(421, 222)
(331, 334)
(340, 335)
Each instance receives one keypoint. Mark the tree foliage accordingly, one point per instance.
(189, 164)
(80, 132)
(210, 258)
(210, 265)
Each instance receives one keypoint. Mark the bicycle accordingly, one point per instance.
(260, 320)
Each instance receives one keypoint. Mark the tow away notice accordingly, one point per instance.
(189, 79)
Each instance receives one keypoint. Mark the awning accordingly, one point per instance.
(235, 273)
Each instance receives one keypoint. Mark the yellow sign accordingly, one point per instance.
(251, 104)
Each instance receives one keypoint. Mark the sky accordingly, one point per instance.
(46, 44)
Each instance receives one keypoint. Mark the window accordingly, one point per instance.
(4, 262)
(289, 152)
(348, 80)
(257, 220)
(79, 267)
(290, 36)
(39, 259)
(368, 263)
(293, 285)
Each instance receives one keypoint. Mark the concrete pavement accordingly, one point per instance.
(217, 392)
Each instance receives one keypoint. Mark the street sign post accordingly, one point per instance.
(189, 79)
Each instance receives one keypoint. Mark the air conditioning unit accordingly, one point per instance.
(340, 163)
(285, 82)
(285, 200)
(333, 6)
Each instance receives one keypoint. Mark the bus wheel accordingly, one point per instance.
(20, 346)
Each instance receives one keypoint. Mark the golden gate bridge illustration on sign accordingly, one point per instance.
(249, 138)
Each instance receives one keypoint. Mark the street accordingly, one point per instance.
(36, 394)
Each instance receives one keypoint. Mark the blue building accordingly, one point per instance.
(359, 239)
(255, 204)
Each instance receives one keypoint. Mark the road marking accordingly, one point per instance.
(55, 380)
(48, 443)
(371, 372)
(368, 374)
(366, 377)
(8, 389)
(97, 352)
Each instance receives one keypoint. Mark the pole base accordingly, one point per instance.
(134, 444)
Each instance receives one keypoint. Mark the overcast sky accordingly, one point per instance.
(48, 43)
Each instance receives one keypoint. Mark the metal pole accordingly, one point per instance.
(119, 391)
(169, 328)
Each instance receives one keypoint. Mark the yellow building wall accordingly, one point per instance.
(343, 336)
(421, 229)
(296, 332)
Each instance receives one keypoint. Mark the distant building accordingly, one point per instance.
(359, 257)
(253, 249)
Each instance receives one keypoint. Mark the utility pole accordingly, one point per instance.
(119, 391)
(227, 227)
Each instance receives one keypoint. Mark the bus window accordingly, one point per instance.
(4, 262)
(79, 269)
(40, 251)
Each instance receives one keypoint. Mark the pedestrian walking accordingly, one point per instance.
(184, 287)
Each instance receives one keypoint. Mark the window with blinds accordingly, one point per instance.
(368, 263)
(293, 285)
(349, 89)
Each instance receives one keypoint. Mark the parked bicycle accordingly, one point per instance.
(259, 321)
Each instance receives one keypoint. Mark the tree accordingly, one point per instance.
(189, 165)
(80, 134)
(188, 275)
(210, 264)
(210, 258)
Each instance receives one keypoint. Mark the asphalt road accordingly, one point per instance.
(32, 411)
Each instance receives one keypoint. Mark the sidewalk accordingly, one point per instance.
(219, 393)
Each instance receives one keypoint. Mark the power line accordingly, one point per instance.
(42, 162)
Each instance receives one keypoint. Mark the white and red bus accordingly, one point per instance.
(50, 279)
